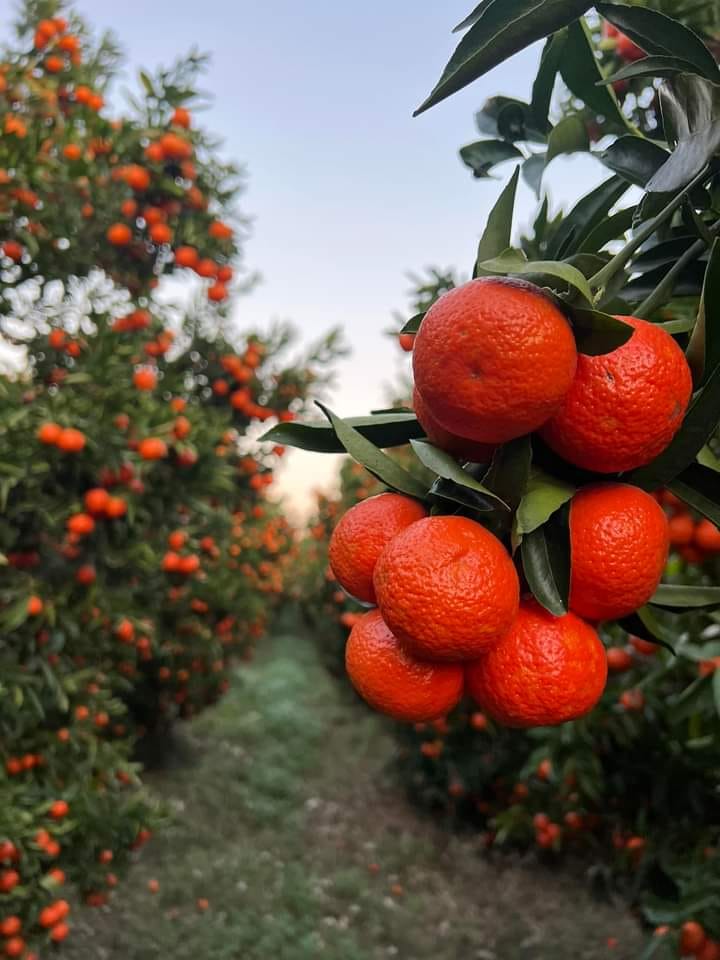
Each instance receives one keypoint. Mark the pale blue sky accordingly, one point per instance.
(347, 190)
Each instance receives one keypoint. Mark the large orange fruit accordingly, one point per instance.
(459, 447)
(619, 546)
(624, 407)
(493, 359)
(392, 681)
(544, 671)
(447, 588)
(362, 533)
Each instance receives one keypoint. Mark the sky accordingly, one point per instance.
(347, 192)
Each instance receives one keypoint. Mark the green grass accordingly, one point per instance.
(284, 819)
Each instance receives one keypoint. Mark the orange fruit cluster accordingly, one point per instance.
(495, 359)
(450, 618)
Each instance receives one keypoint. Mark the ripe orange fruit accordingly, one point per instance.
(458, 447)
(447, 588)
(186, 257)
(80, 523)
(407, 342)
(544, 671)
(96, 500)
(619, 660)
(15, 947)
(392, 681)
(206, 268)
(35, 606)
(624, 407)
(152, 448)
(49, 433)
(115, 507)
(160, 233)
(707, 536)
(362, 533)
(217, 292)
(220, 231)
(119, 234)
(681, 529)
(618, 548)
(493, 359)
(59, 809)
(10, 926)
(692, 937)
(145, 379)
(181, 117)
(136, 177)
(72, 151)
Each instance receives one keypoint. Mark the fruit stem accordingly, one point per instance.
(662, 291)
(602, 277)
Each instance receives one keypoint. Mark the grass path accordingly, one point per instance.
(284, 819)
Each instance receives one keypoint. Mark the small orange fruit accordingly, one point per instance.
(624, 407)
(508, 353)
(49, 433)
(619, 547)
(447, 588)
(152, 448)
(692, 937)
(119, 234)
(392, 681)
(544, 671)
(681, 529)
(71, 440)
(707, 536)
(361, 535)
(145, 379)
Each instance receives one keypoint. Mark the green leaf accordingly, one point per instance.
(545, 495)
(568, 136)
(500, 28)
(644, 624)
(707, 458)
(545, 79)
(472, 17)
(682, 596)
(509, 472)
(699, 424)
(546, 562)
(581, 72)
(711, 306)
(698, 487)
(661, 254)
(498, 230)
(533, 170)
(634, 158)
(388, 430)
(651, 67)
(373, 459)
(512, 262)
(445, 466)
(716, 691)
(660, 35)
(597, 333)
(147, 83)
(586, 215)
(612, 228)
(691, 111)
(413, 324)
(483, 155)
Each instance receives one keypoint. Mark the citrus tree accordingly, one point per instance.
(555, 400)
(138, 550)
